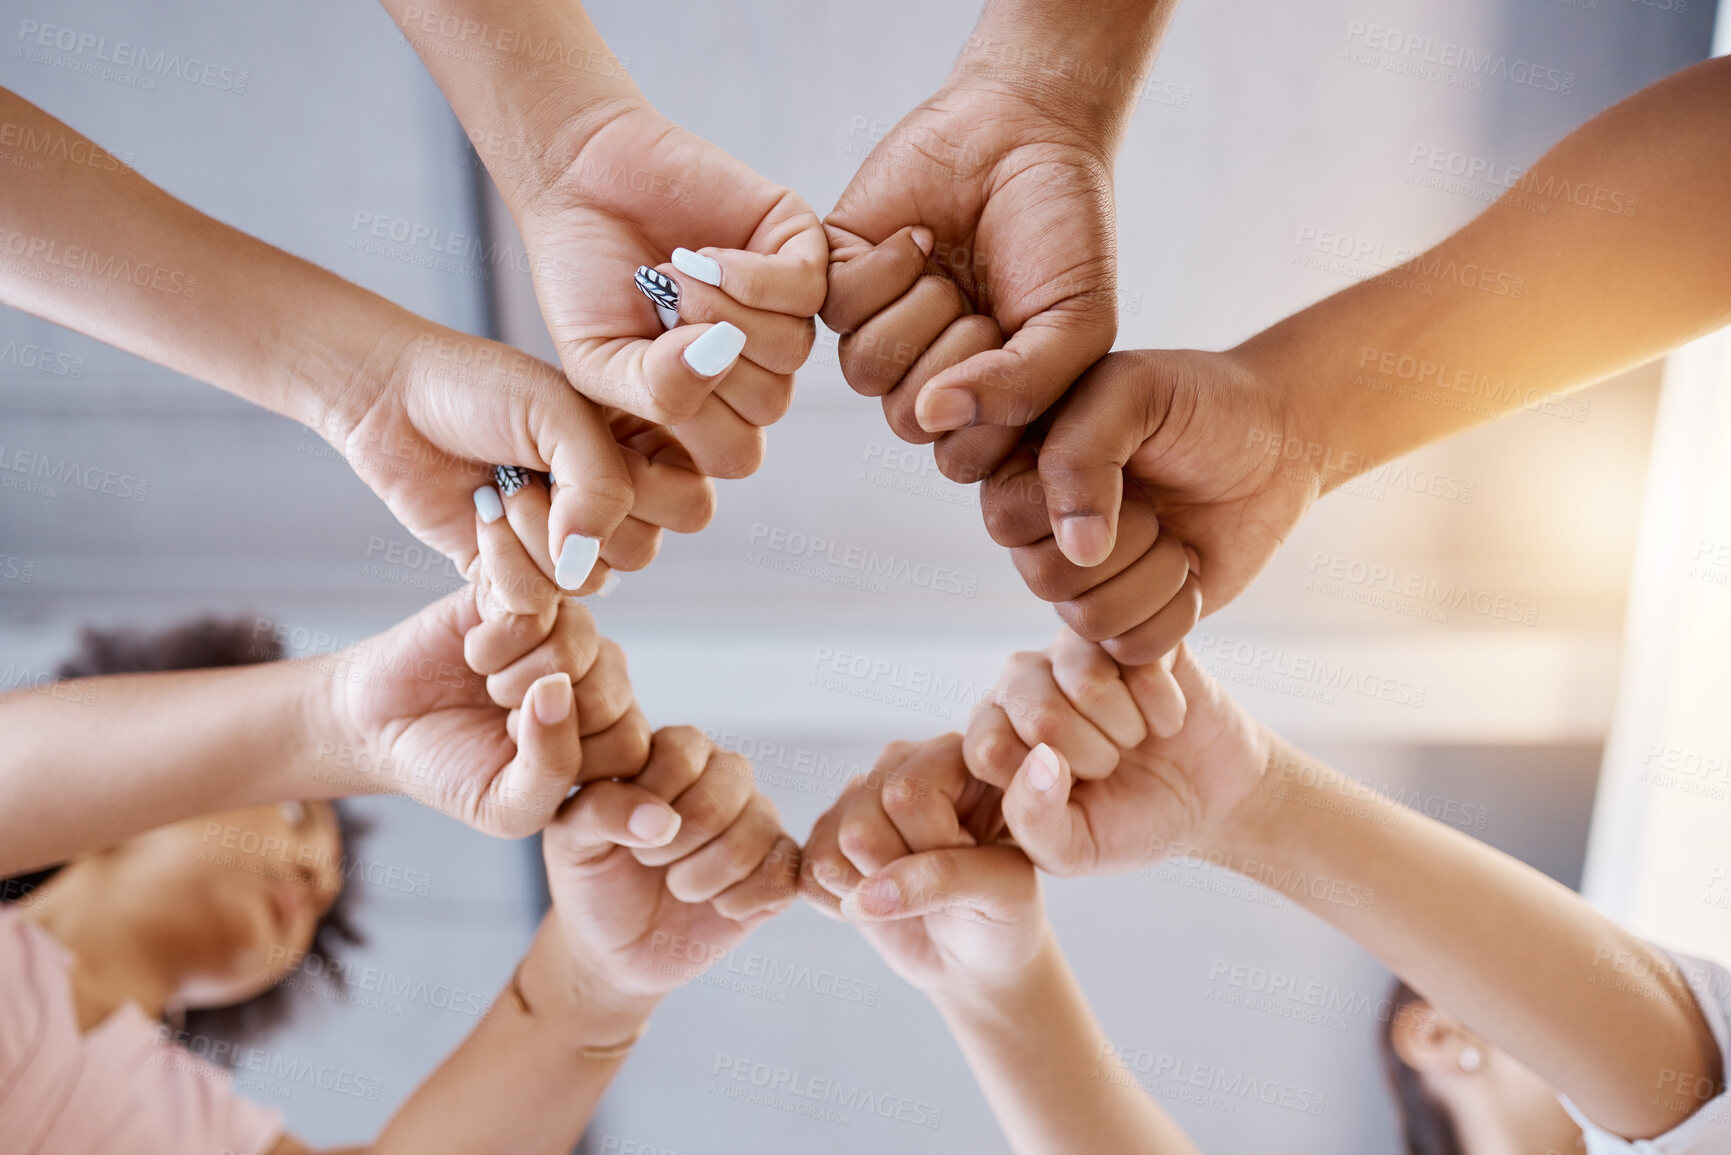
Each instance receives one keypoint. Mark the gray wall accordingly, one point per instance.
(1258, 136)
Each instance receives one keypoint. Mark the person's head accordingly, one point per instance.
(227, 904)
(231, 902)
(1457, 1094)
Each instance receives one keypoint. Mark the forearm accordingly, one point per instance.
(521, 1082)
(1083, 62)
(1046, 1067)
(88, 762)
(97, 248)
(1521, 960)
(530, 82)
(1614, 248)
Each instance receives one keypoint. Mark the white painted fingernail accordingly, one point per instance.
(608, 584)
(576, 559)
(713, 352)
(488, 505)
(705, 269)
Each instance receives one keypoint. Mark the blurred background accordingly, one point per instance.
(1259, 143)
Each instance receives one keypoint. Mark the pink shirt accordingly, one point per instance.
(118, 1090)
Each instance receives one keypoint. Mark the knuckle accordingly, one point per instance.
(1087, 617)
(1048, 575)
(736, 457)
(634, 740)
(704, 816)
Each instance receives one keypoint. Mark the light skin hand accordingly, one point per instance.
(1101, 814)
(452, 406)
(656, 876)
(910, 855)
(906, 853)
(654, 873)
(487, 705)
(600, 184)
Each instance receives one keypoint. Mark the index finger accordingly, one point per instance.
(782, 268)
(861, 286)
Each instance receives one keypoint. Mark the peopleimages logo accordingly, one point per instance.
(1452, 57)
(89, 47)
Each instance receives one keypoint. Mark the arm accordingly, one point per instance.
(525, 1079)
(1006, 173)
(601, 185)
(685, 850)
(420, 411)
(1054, 1081)
(89, 761)
(966, 924)
(1631, 257)
(1227, 451)
(1520, 959)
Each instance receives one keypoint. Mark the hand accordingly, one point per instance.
(498, 753)
(1154, 453)
(638, 188)
(425, 431)
(906, 853)
(1080, 795)
(656, 877)
(1014, 206)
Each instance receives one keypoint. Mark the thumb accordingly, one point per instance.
(1037, 812)
(1014, 385)
(983, 883)
(549, 755)
(1103, 422)
(606, 814)
(591, 492)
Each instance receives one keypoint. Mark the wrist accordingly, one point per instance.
(1252, 830)
(575, 998)
(994, 994)
(1084, 73)
(529, 89)
(1304, 385)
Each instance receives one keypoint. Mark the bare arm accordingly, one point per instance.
(1614, 248)
(88, 762)
(520, 1082)
(1055, 1082)
(98, 248)
(966, 924)
(1524, 962)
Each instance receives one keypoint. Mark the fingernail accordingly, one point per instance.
(879, 895)
(662, 291)
(705, 269)
(488, 505)
(1195, 562)
(1085, 539)
(608, 584)
(576, 559)
(715, 350)
(653, 825)
(510, 478)
(946, 409)
(551, 699)
(924, 239)
(1043, 768)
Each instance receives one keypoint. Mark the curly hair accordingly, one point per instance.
(199, 644)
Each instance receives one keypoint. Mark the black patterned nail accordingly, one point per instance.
(663, 291)
(510, 478)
